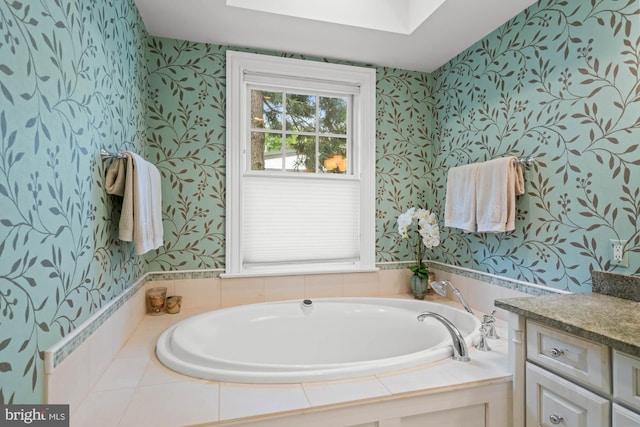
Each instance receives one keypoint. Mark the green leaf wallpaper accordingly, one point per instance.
(559, 81)
(186, 120)
(72, 81)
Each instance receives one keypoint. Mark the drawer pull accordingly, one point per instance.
(555, 419)
(556, 352)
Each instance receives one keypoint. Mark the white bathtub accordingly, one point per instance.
(288, 342)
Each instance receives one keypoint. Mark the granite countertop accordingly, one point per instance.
(601, 318)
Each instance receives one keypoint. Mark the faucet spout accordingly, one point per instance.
(460, 350)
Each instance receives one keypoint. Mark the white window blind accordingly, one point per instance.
(289, 221)
(292, 82)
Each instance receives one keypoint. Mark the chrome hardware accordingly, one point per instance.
(482, 344)
(460, 351)
(489, 320)
(555, 419)
(441, 289)
(556, 352)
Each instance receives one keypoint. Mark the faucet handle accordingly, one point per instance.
(483, 345)
(489, 322)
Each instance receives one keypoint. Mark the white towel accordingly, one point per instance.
(141, 216)
(499, 182)
(460, 199)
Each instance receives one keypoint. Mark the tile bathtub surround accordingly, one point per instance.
(138, 390)
(207, 291)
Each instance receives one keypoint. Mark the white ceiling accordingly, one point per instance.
(402, 37)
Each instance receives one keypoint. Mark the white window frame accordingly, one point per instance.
(296, 74)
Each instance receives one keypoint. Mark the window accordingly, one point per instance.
(300, 166)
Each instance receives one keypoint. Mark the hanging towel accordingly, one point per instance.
(116, 176)
(499, 182)
(138, 181)
(460, 198)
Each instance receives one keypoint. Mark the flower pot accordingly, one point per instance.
(419, 286)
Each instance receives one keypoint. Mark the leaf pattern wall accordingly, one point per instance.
(560, 82)
(186, 135)
(72, 81)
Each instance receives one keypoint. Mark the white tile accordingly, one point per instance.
(138, 308)
(360, 284)
(157, 373)
(69, 382)
(394, 282)
(482, 294)
(142, 342)
(102, 350)
(484, 367)
(124, 323)
(122, 373)
(246, 400)
(199, 292)
(326, 393)
(282, 288)
(249, 290)
(438, 374)
(102, 408)
(323, 285)
(175, 404)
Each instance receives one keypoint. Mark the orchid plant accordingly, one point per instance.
(428, 235)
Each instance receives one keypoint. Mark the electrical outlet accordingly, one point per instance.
(619, 256)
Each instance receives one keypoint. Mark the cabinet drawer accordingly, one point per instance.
(622, 417)
(626, 379)
(552, 400)
(570, 356)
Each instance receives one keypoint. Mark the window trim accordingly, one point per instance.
(302, 75)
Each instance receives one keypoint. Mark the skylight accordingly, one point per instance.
(396, 16)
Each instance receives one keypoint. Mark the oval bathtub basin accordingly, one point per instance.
(329, 339)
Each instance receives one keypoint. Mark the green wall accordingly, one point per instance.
(72, 81)
(186, 118)
(559, 81)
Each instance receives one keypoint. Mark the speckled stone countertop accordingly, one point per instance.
(601, 318)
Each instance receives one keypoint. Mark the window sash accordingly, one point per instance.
(308, 76)
(283, 131)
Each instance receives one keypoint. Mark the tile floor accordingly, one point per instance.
(137, 390)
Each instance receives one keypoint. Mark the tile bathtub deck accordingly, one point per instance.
(137, 390)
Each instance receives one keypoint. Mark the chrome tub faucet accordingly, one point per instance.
(460, 350)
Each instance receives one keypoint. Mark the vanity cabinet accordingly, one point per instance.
(574, 382)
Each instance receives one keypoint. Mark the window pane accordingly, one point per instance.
(305, 152)
(333, 155)
(266, 151)
(301, 113)
(333, 115)
(266, 110)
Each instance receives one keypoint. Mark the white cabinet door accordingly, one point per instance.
(553, 401)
